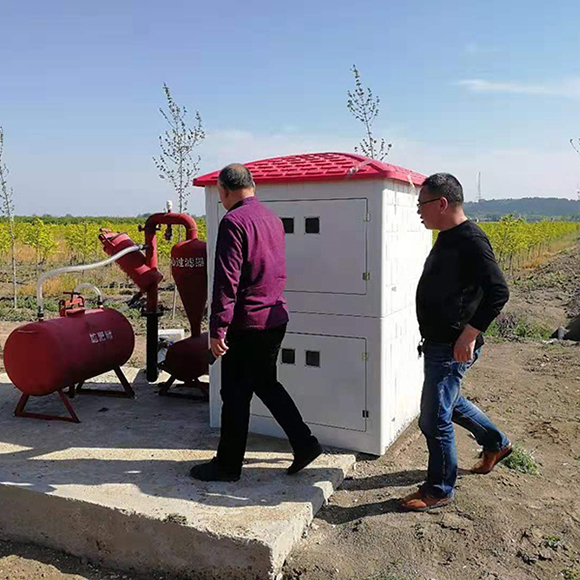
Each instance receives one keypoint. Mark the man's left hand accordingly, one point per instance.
(218, 347)
(465, 344)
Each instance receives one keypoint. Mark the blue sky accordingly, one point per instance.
(464, 87)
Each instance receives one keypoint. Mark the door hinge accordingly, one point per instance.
(367, 217)
(366, 276)
(365, 414)
(365, 356)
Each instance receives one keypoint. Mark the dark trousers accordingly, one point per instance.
(249, 367)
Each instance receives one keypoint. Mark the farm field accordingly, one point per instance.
(42, 245)
(507, 525)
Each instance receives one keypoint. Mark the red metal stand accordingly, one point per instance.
(20, 412)
(126, 393)
(203, 387)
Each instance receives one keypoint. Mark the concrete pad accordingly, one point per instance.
(115, 488)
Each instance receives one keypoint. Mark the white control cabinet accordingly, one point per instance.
(355, 249)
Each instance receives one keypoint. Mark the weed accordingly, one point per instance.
(571, 574)
(552, 542)
(511, 326)
(176, 519)
(577, 458)
(522, 461)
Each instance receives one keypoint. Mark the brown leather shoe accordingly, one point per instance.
(421, 501)
(489, 459)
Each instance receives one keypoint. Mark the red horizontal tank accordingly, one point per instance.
(43, 357)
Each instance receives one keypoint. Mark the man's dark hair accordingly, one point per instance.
(445, 185)
(236, 176)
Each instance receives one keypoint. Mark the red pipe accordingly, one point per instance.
(152, 312)
(178, 219)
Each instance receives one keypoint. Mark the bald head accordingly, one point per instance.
(235, 182)
(236, 176)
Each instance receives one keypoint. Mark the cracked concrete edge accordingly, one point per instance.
(129, 541)
(287, 540)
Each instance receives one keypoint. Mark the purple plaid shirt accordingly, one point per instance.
(250, 270)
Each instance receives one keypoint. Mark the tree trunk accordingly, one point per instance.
(14, 287)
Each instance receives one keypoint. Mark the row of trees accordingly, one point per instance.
(516, 241)
(74, 243)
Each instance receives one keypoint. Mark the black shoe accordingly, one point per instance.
(304, 458)
(212, 471)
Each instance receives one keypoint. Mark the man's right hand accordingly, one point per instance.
(218, 346)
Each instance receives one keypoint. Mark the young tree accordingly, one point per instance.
(40, 237)
(82, 240)
(7, 209)
(364, 106)
(175, 162)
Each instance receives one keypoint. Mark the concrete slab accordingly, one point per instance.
(115, 488)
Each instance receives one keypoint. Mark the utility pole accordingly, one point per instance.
(479, 187)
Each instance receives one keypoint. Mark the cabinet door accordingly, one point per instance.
(326, 377)
(325, 244)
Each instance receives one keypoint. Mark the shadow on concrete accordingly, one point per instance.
(150, 443)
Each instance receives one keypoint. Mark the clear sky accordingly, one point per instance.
(465, 87)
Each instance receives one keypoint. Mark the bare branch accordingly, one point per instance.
(176, 163)
(364, 107)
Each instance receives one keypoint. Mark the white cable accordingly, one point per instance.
(89, 286)
(81, 268)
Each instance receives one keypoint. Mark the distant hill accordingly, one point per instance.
(531, 208)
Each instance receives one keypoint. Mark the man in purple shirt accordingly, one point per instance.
(247, 325)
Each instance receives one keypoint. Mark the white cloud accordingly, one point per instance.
(565, 88)
(512, 172)
(227, 146)
(129, 185)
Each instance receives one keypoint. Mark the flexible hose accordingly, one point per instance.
(88, 286)
(80, 268)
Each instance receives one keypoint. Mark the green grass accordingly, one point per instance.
(552, 542)
(514, 327)
(521, 460)
(571, 574)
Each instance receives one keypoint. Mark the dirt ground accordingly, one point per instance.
(505, 525)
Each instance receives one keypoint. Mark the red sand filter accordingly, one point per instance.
(187, 359)
(133, 264)
(47, 356)
(189, 270)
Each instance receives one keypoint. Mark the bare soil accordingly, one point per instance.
(505, 525)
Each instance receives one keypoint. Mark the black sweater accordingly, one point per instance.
(461, 284)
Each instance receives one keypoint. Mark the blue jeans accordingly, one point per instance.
(442, 405)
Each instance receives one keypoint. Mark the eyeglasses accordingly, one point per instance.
(420, 203)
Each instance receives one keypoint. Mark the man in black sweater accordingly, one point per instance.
(461, 291)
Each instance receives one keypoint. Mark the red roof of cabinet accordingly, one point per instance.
(320, 167)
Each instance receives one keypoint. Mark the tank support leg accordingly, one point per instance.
(195, 383)
(126, 393)
(166, 386)
(20, 412)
